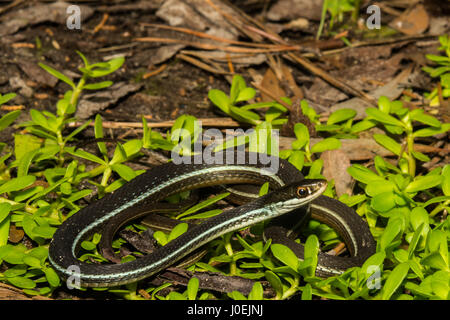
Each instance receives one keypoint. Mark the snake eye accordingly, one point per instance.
(302, 191)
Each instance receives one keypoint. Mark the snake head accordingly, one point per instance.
(310, 188)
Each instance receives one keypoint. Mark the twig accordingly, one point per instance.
(201, 65)
(101, 24)
(212, 37)
(208, 46)
(155, 72)
(206, 122)
(10, 6)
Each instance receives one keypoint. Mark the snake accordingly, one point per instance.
(291, 196)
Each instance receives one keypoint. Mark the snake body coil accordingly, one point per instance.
(290, 192)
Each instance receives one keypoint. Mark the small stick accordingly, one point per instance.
(206, 122)
(101, 24)
(154, 72)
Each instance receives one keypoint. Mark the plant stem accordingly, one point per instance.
(411, 160)
(229, 250)
(293, 289)
(77, 91)
(439, 208)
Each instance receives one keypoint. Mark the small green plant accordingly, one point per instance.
(337, 10)
(442, 71)
(40, 183)
(239, 92)
(398, 120)
(50, 126)
(106, 166)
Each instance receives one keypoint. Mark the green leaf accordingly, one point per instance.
(388, 143)
(264, 189)
(383, 202)
(25, 162)
(392, 231)
(394, 280)
(423, 183)
(373, 263)
(237, 85)
(52, 277)
(236, 295)
(192, 288)
(5, 208)
(307, 292)
(13, 254)
(88, 245)
(379, 186)
(418, 115)
(436, 261)
(177, 231)
(83, 57)
(446, 180)
(428, 132)
(58, 75)
(302, 135)
(420, 156)
(245, 94)
(98, 85)
(203, 204)
(101, 69)
(124, 171)
(326, 144)
(257, 292)
(98, 133)
(5, 98)
(275, 282)
(297, 158)
(85, 155)
(220, 99)
(8, 118)
(285, 255)
(414, 241)
(204, 215)
(244, 115)
(15, 271)
(22, 282)
(315, 169)
(362, 126)
(382, 117)
(384, 104)
(32, 261)
(341, 115)
(17, 184)
(45, 232)
(5, 220)
(77, 130)
(160, 237)
(39, 119)
(363, 174)
(311, 250)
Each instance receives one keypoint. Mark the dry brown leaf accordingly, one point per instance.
(335, 164)
(412, 21)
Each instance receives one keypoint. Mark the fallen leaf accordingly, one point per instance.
(412, 21)
(98, 101)
(335, 164)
